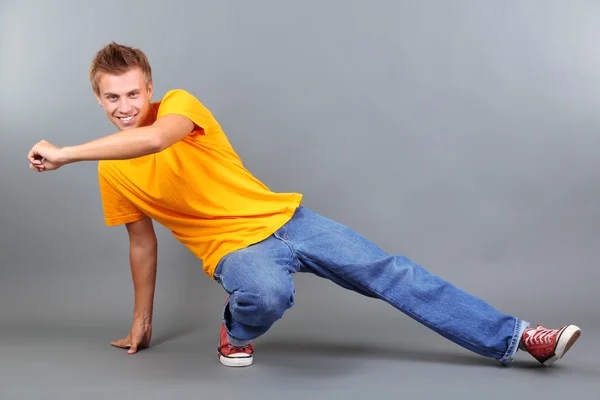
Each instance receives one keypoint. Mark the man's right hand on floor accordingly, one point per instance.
(138, 338)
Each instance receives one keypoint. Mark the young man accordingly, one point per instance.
(171, 162)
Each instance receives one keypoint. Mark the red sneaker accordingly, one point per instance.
(232, 356)
(549, 345)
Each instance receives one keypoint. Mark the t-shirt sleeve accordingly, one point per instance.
(117, 209)
(181, 102)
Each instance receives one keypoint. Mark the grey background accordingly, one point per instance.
(463, 134)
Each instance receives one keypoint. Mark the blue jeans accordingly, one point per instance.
(259, 279)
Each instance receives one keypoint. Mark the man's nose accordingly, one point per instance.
(124, 106)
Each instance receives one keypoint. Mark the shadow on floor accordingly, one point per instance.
(321, 355)
(175, 332)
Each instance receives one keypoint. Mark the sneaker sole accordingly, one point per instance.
(241, 361)
(566, 339)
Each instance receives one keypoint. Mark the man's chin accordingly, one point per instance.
(126, 127)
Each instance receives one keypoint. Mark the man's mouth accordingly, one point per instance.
(127, 119)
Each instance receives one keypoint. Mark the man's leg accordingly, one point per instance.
(260, 286)
(336, 252)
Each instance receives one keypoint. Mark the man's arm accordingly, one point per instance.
(143, 259)
(132, 143)
(143, 251)
(123, 145)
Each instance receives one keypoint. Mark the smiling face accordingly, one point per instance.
(126, 98)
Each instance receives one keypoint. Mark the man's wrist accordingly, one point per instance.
(67, 154)
(143, 318)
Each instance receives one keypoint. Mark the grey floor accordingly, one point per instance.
(317, 351)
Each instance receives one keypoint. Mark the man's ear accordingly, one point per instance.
(150, 88)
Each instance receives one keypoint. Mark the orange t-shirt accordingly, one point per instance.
(198, 189)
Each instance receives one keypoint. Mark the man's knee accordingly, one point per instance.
(263, 304)
(261, 289)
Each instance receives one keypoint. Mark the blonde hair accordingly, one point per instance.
(116, 59)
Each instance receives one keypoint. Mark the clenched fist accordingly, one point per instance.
(45, 156)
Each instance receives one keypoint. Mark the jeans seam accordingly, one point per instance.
(513, 347)
(295, 259)
(233, 322)
(512, 344)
